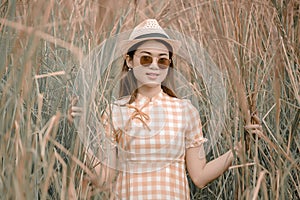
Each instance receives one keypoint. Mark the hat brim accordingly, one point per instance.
(125, 45)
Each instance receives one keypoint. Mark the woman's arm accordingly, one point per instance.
(201, 172)
(103, 165)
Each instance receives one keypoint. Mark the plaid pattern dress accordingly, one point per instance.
(152, 136)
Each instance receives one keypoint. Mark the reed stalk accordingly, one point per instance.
(255, 44)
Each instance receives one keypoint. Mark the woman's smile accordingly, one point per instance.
(152, 75)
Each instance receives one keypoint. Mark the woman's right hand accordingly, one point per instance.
(74, 111)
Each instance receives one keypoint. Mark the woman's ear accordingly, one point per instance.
(129, 61)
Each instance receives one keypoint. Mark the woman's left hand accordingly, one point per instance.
(238, 149)
(254, 129)
(251, 129)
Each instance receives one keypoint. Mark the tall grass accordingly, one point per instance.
(255, 43)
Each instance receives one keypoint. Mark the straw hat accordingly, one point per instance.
(148, 30)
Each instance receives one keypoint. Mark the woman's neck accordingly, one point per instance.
(149, 91)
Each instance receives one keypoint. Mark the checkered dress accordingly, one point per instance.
(153, 135)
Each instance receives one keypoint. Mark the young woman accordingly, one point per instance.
(156, 136)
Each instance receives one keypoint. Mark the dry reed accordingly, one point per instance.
(254, 43)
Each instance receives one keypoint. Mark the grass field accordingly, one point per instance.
(256, 44)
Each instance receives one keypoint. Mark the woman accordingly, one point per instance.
(157, 136)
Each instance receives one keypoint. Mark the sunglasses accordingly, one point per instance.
(162, 63)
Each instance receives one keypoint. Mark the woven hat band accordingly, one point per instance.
(152, 35)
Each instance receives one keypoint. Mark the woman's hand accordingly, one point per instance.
(74, 111)
(238, 149)
(251, 129)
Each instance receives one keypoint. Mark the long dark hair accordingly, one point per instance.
(128, 84)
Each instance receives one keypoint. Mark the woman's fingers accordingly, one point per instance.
(74, 114)
(238, 148)
(253, 126)
(74, 111)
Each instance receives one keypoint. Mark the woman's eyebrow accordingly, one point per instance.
(161, 54)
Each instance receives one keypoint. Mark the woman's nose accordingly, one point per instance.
(154, 64)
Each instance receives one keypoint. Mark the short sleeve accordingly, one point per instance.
(193, 132)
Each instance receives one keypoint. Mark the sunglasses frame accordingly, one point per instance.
(160, 65)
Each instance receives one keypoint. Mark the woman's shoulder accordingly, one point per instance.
(183, 101)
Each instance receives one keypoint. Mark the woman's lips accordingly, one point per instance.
(152, 75)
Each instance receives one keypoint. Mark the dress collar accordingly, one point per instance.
(142, 98)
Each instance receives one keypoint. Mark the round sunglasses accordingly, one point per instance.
(162, 63)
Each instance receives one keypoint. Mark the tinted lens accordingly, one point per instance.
(146, 60)
(163, 63)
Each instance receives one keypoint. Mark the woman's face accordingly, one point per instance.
(147, 73)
